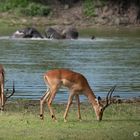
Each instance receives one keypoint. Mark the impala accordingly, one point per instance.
(77, 84)
(3, 97)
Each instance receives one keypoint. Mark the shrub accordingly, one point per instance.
(89, 7)
(34, 9)
(24, 7)
(12, 4)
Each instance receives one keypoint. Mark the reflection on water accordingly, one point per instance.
(104, 62)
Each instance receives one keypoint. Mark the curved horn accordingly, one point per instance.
(108, 97)
(12, 91)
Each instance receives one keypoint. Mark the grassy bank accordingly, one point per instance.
(21, 121)
(24, 7)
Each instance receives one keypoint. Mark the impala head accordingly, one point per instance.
(100, 107)
(6, 97)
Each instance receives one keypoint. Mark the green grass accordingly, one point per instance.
(89, 7)
(21, 121)
(24, 7)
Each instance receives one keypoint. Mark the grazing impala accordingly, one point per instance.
(3, 97)
(77, 84)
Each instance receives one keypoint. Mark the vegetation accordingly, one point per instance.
(24, 7)
(88, 7)
(21, 121)
(35, 9)
(41, 7)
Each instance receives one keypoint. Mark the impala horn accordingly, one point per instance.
(108, 97)
(12, 92)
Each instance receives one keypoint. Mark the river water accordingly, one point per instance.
(111, 59)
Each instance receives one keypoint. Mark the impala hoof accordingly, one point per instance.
(65, 120)
(2, 108)
(56, 120)
(80, 120)
(41, 116)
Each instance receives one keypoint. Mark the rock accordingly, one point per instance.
(66, 6)
(124, 21)
(116, 96)
(98, 3)
(105, 9)
(133, 12)
(116, 21)
(97, 12)
(102, 21)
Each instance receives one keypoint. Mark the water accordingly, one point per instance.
(106, 61)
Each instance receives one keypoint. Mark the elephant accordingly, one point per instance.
(28, 32)
(70, 33)
(92, 37)
(18, 34)
(53, 33)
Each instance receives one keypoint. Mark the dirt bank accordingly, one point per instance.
(98, 12)
(110, 13)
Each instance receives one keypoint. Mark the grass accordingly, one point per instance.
(89, 7)
(24, 7)
(21, 121)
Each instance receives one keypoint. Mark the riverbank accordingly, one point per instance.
(80, 14)
(21, 121)
(10, 23)
(34, 103)
(8, 20)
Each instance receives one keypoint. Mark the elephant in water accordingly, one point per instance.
(69, 33)
(28, 32)
(53, 33)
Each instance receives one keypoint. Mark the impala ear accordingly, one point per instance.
(99, 98)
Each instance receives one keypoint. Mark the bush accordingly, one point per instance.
(89, 7)
(24, 7)
(34, 9)
(12, 4)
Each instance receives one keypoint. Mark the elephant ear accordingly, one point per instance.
(30, 31)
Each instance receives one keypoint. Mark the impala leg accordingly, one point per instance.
(78, 103)
(2, 97)
(42, 101)
(49, 102)
(0, 101)
(68, 106)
